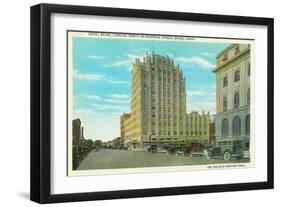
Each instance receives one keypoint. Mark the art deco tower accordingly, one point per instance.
(158, 102)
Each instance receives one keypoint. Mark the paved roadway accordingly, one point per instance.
(113, 159)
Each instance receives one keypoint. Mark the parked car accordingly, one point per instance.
(197, 154)
(179, 153)
(227, 149)
(152, 148)
(164, 151)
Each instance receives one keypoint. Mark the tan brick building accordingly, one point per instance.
(123, 119)
(158, 102)
(197, 127)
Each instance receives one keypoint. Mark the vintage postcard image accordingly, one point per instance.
(153, 103)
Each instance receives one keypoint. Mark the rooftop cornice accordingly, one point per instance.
(242, 53)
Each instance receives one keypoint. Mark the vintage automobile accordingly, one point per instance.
(179, 153)
(152, 148)
(227, 149)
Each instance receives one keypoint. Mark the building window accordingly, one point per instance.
(247, 125)
(248, 96)
(224, 127)
(225, 57)
(237, 76)
(236, 126)
(225, 81)
(224, 103)
(236, 100)
(237, 50)
(249, 69)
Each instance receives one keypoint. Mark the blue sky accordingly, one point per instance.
(102, 75)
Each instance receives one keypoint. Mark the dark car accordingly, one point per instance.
(227, 149)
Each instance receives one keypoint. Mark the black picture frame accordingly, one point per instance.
(41, 102)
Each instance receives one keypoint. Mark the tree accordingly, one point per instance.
(90, 143)
(97, 143)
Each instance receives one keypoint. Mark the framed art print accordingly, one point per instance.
(132, 103)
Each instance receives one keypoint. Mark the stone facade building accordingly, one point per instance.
(197, 127)
(123, 119)
(77, 131)
(158, 102)
(233, 72)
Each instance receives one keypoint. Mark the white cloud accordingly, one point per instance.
(100, 109)
(119, 63)
(96, 57)
(170, 55)
(140, 50)
(208, 92)
(133, 56)
(124, 63)
(111, 107)
(119, 96)
(208, 54)
(207, 87)
(87, 76)
(94, 76)
(118, 101)
(90, 96)
(196, 60)
(202, 106)
(118, 82)
(195, 93)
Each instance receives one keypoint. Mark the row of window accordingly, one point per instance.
(204, 119)
(196, 133)
(195, 125)
(236, 126)
(236, 102)
(163, 133)
(168, 70)
(225, 57)
(236, 76)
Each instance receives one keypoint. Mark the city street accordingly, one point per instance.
(112, 159)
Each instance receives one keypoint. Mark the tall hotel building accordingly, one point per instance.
(233, 73)
(158, 103)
